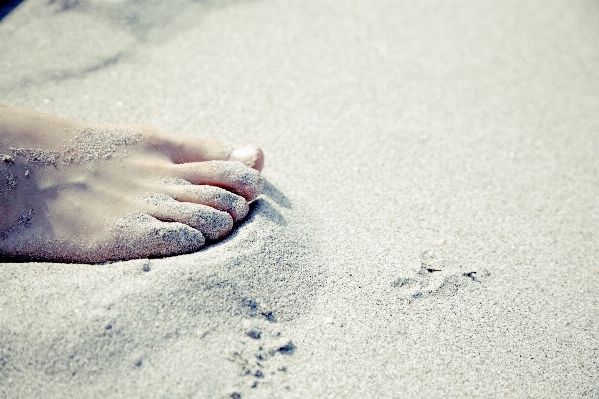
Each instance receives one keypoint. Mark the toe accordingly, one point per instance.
(181, 149)
(233, 176)
(214, 197)
(249, 155)
(140, 236)
(213, 223)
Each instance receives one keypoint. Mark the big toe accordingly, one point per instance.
(250, 155)
(188, 149)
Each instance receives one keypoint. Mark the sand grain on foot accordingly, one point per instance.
(91, 144)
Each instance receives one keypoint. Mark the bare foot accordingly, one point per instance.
(75, 192)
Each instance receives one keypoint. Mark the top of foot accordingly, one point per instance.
(76, 192)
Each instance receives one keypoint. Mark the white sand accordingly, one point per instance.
(400, 137)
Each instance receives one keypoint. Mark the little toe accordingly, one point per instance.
(213, 223)
(214, 197)
(230, 175)
(140, 235)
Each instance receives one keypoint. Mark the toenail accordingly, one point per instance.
(247, 154)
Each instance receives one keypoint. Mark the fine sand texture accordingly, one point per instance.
(429, 226)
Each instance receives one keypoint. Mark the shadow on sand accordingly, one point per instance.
(6, 7)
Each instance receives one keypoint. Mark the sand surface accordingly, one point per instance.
(430, 225)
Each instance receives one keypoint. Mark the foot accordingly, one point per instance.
(76, 192)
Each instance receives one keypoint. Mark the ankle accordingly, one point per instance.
(23, 128)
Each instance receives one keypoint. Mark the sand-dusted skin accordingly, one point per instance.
(93, 143)
(91, 193)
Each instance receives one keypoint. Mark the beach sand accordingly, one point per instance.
(429, 226)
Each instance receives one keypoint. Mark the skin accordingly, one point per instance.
(72, 212)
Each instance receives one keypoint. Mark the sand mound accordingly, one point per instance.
(124, 315)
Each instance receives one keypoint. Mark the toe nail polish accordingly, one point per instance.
(246, 154)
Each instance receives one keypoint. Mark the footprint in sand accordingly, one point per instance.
(261, 355)
(437, 276)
